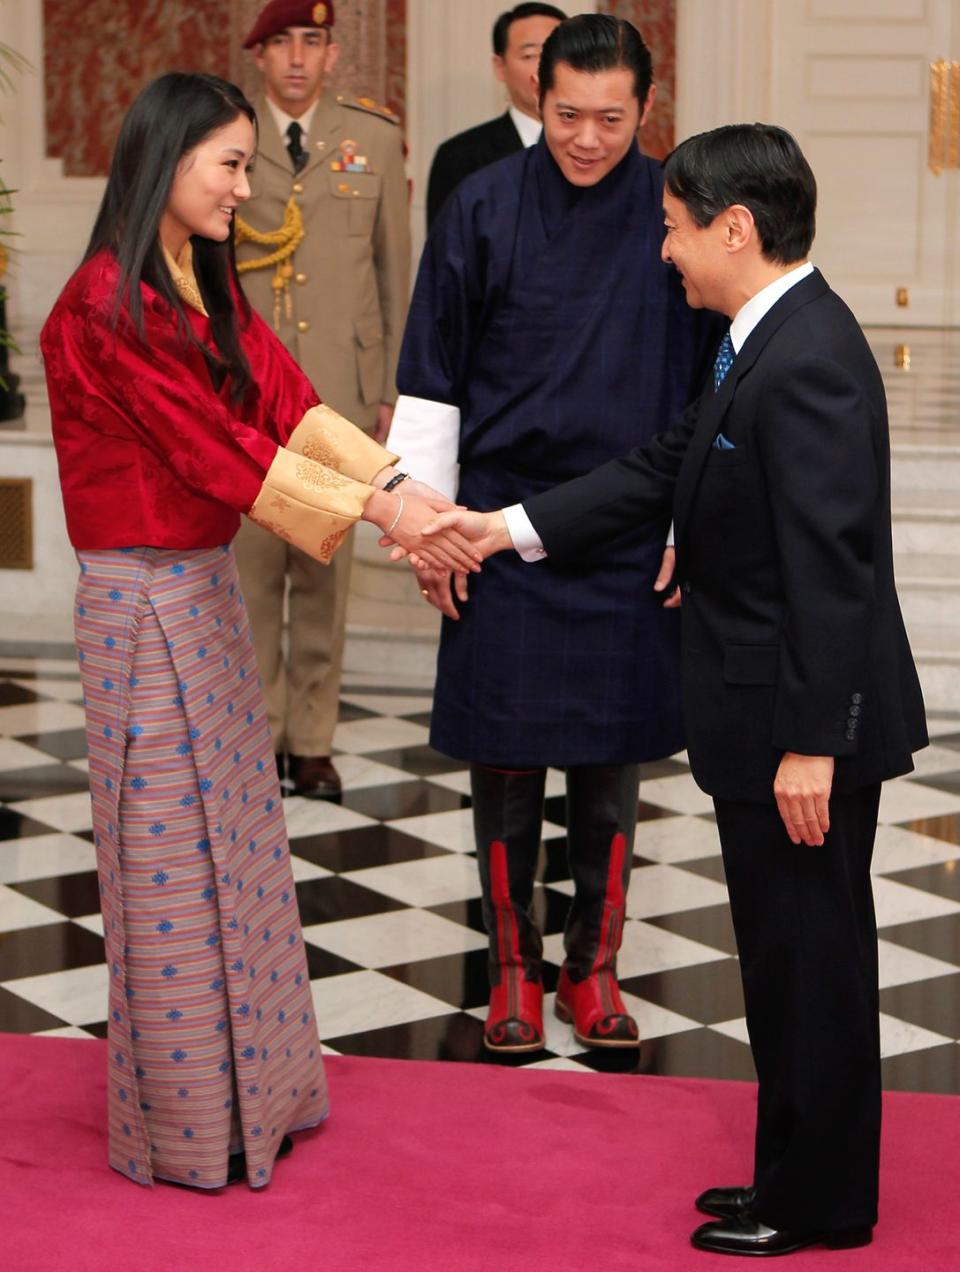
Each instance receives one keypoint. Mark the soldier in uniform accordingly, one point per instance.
(324, 253)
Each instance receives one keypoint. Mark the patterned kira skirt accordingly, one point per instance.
(212, 1037)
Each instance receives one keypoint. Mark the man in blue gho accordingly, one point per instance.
(545, 336)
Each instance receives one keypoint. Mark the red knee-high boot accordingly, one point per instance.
(508, 811)
(601, 815)
(515, 1018)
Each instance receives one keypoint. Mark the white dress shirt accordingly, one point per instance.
(524, 537)
(757, 307)
(529, 129)
(283, 121)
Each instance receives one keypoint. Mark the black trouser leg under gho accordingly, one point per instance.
(507, 822)
(807, 940)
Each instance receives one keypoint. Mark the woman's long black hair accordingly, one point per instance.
(168, 119)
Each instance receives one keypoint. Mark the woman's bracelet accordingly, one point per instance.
(395, 480)
(390, 527)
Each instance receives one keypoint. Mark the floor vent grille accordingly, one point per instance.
(16, 523)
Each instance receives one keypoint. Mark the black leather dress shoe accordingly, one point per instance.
(313, 776)
(726, 1202)
(745, 1234)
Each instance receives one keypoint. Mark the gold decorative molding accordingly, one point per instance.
(943, 151)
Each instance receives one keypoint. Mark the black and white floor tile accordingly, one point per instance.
(389, 897)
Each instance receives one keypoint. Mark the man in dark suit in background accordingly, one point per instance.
(518, 37)
(800, 693)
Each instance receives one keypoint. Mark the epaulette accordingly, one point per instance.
(369, 107)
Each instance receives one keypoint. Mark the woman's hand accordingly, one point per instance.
(402, 518)
(433, 497)
(440, 503)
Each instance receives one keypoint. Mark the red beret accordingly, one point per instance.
(280, 14)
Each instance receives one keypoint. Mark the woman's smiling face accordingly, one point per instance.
(211, 181)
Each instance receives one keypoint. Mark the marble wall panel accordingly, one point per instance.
(98, 56)
(395, 88)
(656, 20)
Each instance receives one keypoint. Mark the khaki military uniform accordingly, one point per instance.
(341, 315)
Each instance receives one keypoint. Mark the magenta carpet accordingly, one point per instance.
(440, 1168)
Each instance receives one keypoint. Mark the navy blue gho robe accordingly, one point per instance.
(543, 314)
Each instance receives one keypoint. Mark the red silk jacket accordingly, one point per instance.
(149, 453)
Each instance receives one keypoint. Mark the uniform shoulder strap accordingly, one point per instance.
(369, 107)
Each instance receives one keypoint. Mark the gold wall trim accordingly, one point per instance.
(943, 151)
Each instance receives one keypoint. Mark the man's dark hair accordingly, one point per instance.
(758, 165)
(168, 119)
(501, 28)
(596, 42)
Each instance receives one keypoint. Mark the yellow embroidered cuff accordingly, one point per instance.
(328, 438)
(308, 504)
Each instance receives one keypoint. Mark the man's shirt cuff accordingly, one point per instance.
(522, 534)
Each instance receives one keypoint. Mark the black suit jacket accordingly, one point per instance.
(467, 152)
(792, 633)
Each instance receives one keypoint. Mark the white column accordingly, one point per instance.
(724, 59)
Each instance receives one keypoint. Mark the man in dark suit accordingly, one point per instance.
(800, 693)
(518, 37)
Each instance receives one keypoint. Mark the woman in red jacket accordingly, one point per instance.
(175, 409)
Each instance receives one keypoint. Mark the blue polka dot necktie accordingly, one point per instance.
(724, 362)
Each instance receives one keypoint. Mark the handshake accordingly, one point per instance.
(437, 537)
(446, 542)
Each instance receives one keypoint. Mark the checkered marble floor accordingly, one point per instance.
(389, 897)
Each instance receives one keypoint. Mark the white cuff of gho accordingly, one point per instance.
(426, 436)
(522, 534)
(670, 540)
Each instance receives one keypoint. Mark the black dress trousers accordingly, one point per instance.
(807, 939)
